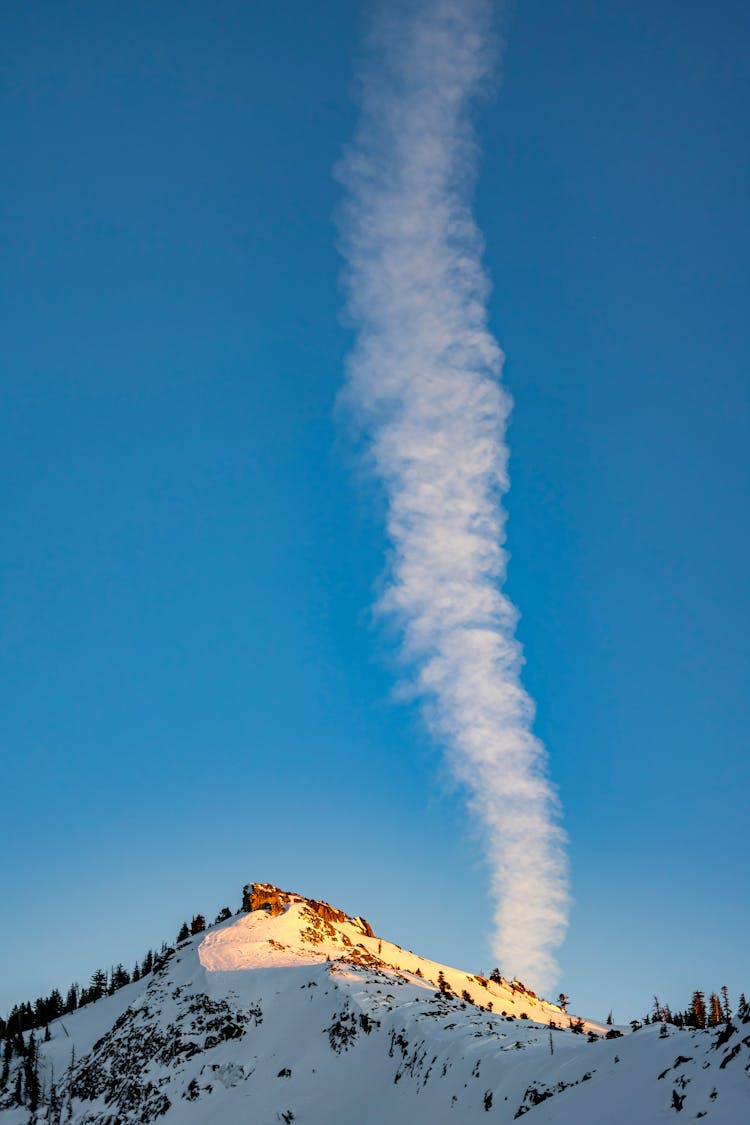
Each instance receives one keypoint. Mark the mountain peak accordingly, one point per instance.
(294, 1010)
(278, 928)
(265, 896)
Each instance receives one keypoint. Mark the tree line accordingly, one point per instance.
(30, 1016)
(700, 1013)
(20, 1052)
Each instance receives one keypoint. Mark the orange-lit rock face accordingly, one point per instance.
(264, 896)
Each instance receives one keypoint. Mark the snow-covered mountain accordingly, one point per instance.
(293, 1011)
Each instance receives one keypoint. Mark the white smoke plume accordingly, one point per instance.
(424, 382)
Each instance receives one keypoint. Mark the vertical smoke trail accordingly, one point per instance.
(423, 380)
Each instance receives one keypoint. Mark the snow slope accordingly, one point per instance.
(294, 1011)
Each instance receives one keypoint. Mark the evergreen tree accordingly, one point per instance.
(98, 985)
(223, 916)
(184, 933)
(563, 1001)
(71, 1068)
(725, 1005)
(71, 1000)
(698, 1009)
(7, 1056)
(57, 1004)
(120, 977)
(714, 1010)
(198, 924)
(53, 1113)
(495, 976)
(31, 1075)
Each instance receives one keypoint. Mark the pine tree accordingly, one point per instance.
(53, 1114)
(120, 977)
(197, 924)
(71, 1000)
(31, 1075)
(698, 1009)
(7, 1056)
(725, 1005)
(714, 1010)
(563, 1001)
(184, 933)
(69, 1090)
(98, 985)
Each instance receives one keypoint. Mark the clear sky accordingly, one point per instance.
(192, 692)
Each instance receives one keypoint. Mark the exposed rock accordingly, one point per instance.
(327, 912)
(263, 896)
(364, 926)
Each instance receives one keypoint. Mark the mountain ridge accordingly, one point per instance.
(294, 1010)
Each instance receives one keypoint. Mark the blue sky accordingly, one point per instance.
(192, 692)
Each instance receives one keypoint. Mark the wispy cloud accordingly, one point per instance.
(424, 381)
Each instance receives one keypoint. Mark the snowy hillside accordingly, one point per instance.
(294, 1011)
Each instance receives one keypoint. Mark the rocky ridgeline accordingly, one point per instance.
(264, 896)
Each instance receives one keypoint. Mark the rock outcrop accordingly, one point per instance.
(264, 896)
